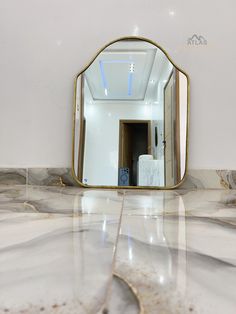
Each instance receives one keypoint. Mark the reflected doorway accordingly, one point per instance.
(134, 140)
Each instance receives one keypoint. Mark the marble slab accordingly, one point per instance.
(61, 200)
(74, 250)
(203, 203)
(210, 179)
(181, 259)
(50, 176)
(13, 176)
(55, 261)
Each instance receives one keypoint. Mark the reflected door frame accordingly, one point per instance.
(176, 160)
(122, 124)
(121, 137)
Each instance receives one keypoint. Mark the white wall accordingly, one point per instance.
(44, 43)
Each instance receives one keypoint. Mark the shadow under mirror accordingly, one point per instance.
(131, 118)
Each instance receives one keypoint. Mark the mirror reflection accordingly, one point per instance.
(131, 118)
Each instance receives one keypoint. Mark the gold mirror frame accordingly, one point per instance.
(80, 139)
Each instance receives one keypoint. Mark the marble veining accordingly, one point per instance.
(13, 176)
(195, 179)
(50, 176)
(173, 251)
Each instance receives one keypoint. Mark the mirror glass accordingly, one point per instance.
(131, 118)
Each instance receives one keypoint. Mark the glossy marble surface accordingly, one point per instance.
(172, 251)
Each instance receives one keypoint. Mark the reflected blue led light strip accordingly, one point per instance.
(116, 61)
(130, 80)
(104, 81)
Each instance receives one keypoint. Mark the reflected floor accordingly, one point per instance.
(170, 251)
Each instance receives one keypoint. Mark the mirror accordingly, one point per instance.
(130, 118)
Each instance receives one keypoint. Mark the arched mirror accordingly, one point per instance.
(130, 118)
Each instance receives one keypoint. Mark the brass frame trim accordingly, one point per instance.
(74, 120)
(174, 73)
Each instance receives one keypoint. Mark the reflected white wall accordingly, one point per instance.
(77, 125)
(102, 138)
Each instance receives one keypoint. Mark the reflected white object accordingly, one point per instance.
(145, 157)
(150, 171)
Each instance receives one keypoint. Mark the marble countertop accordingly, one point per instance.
(72, 250)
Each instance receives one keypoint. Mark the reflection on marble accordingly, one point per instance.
(51, 199)
(12, 176)
(182, 259)
(49, 261)
(60, 247)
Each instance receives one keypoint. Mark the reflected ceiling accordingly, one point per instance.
(124, 72)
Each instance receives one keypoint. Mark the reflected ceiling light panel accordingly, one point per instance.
(114, 61)
(130, 77)
(104, 82)
(151, 239)
(171, 13)
(131, 68)
(130, 81)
